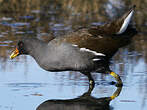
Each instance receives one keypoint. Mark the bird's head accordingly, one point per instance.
(20, 49)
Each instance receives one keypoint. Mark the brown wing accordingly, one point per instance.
(83, 39)
(100, 39)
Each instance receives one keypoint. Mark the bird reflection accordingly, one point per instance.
(83, 102)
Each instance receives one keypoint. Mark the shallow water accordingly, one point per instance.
(24, 85)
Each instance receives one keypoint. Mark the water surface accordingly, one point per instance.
(24, 85)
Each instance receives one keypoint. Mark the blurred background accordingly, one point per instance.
(24, 85)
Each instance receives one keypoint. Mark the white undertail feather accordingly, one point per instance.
(126, 23)
(75, 45)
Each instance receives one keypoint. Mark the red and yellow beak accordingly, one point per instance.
(14, 53)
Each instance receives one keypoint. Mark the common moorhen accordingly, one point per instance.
(86, 50)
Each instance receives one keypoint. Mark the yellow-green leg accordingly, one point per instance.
(117, 77)
(116, 93)
(119, 85)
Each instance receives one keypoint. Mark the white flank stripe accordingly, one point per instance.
(96, 59)
(126, 23)
(75, 45)
(94, 52)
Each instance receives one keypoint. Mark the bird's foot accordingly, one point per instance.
(118, 84)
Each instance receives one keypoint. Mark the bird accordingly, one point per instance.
(86, 50)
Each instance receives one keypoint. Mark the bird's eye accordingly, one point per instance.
(21, 47)
(20, 44)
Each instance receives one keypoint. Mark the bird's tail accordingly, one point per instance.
(124, 21)
(115, 27)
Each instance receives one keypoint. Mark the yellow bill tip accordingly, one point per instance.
(14, 53)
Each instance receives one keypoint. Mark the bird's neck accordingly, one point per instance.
(36, 48)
